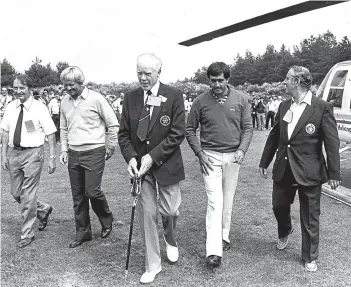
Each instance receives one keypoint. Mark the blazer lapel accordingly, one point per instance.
(157, 109)
(284, 124)
(307, 113)
(139, 101)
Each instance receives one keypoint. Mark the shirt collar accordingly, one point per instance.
(307, 99)
(26, 104)
(154, 89)
(83, 95)
(226, 95)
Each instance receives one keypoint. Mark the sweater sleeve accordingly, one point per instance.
(246, 126)
(192, 125)
(107, 114)
(63, 130)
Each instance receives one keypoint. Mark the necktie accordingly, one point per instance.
(144, 120)
(17, 135)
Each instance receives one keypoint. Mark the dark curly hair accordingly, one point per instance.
(217, 68)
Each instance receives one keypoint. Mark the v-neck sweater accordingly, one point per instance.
(224, 127)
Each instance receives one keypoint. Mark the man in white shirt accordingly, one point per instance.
(186, 107)
(25, 124)
(5, 99)
(272, 107)
(54, 109)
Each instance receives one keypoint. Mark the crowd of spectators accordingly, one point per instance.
(263, 111)
(51, 97)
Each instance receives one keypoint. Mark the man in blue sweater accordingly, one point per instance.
(224, 116)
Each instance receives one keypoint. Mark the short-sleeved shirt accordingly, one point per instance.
(54, 106)
(36, 124)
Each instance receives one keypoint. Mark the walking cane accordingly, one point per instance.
(135, 191)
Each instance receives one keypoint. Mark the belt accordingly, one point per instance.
(23, 148)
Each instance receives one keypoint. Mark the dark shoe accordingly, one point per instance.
(213, 261)
(24, 242)
(44, 221)
(225, 245)
(106, 231)
(75, 243)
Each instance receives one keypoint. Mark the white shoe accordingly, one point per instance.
(283, 242)
(311, 266)
(149, 276)
(172, 252)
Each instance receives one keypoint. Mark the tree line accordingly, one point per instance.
(42, 75)
(317, 53)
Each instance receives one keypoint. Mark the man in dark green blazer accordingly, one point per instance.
(302, 125)
(151, 130)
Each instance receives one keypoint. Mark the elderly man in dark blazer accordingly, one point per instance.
(151, 130)
(302, 124)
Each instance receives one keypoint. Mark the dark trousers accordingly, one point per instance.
(254, 120)
(270, 116)
(56, 120)
(85, 170)
(309, 197)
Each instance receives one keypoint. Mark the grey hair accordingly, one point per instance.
(150, 60)
(304, 75)
(72, 73)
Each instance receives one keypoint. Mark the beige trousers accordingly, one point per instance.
(25, 169)
(220, 187)
(169, 200)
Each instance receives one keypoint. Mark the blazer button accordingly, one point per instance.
(285, 158)
(160, 161)
(147, 142)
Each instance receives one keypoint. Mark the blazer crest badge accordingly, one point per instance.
(310, 129)
(165, 120)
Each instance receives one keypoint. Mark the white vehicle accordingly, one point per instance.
(336, 89)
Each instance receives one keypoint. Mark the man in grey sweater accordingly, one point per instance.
(88, 138)
(225, 134)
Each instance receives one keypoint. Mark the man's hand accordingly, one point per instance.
(146, 163)
(263, 172)
(63, 157)
(205, 163)
(109, 153)
(333, 183)
(132, 167)
(52, 165)
(239, 156)
(5, 162)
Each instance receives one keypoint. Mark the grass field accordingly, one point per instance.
(252, 261)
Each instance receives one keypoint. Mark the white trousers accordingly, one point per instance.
(168, 205)
(220, 187)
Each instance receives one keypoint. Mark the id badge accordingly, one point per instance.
(288, 116)
(153, 101)
(29, 126)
